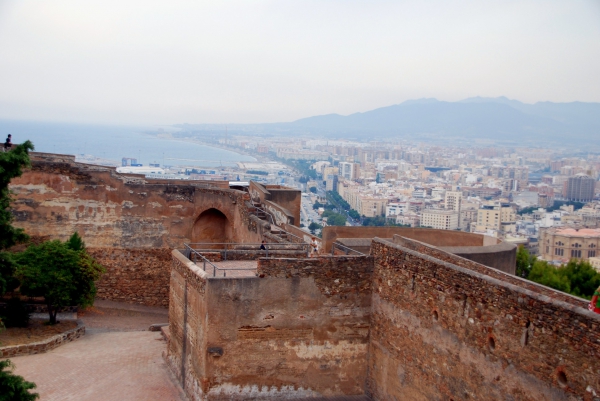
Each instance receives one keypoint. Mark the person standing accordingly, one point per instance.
(8, 143)
(314, 247)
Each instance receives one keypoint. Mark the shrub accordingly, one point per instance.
(16, 313)
(14, 387)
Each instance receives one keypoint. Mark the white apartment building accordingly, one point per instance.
(396, 208)
(440, 219)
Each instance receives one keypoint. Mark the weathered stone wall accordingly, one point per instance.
(134, 275)
(300, 329)
(427, 235)
(188, 325)
(287, 200)
(439, 332)
(128, 222)
(445, 256)
(502, 256)
(58, 196)
(281, 216)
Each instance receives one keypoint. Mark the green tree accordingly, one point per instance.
(75, 242)
(14, 387)
(548, 275)
(11, 166)
(583, 278)
(63, 276)
(317, 205)
(313, 190)
(354, 214)
(314, 227)
(378, 221)
(335, 219)
(525, 262)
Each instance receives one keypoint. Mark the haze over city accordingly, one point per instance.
(151, 62)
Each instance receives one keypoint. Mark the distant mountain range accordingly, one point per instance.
(499, 119)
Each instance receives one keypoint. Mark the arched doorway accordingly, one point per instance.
(212, 226)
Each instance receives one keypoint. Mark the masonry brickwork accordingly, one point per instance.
(128, 222)
(440, 331)
(299, 329)
(409, 322)
(134, 275)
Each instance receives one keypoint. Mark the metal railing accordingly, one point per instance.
(345, 249)
(198, 252)
(230, 248)
(272, 221)
(293, 238)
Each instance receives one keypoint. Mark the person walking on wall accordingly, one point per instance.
(263, 246)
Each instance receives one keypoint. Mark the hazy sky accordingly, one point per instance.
(163, 62)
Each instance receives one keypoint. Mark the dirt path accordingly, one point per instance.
(117, 359)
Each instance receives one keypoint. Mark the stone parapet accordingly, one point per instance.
(446, 256)
(448, 332)
(44, 345)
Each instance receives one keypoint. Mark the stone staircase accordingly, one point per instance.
(277, 234)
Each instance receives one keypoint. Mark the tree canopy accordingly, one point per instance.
(577, 277)
(334, 219)
(11, 166)
(62, 275)
(314, 227)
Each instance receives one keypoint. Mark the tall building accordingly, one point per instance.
(350, 171)
(331, 182)
(497, 216)
(440, 219)
(580, 188)
(452, 200)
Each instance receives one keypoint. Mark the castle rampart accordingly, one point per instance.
(128, 222)
(409, 322)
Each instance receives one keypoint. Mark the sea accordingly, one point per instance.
(112, 143)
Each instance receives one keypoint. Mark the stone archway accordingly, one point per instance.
(212, 226)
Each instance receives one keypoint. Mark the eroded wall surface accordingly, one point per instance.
(58, 196)
(299, 329)
(134, 275)
(188, 325)
(124, 219)
(439, 331)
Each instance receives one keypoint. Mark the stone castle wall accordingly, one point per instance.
(409, 322)
(134, 275)
(441, 331)
(300, 329)
(127, 222)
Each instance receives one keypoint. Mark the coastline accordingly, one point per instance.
(245, 152)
